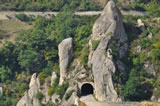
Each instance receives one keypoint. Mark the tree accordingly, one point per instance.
(130, 89)
(135, 89)
(39, 96)
(5, 73)
(64, 25)
(28, 58)
(153, 8)
(155, 55)
(8, 55)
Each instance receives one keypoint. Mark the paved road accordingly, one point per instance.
(12, 14)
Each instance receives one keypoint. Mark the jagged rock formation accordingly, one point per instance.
(107, 29)
(29, 99)
(65, 55)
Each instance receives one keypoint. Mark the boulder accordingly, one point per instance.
(141, 25)
(55, 99)
(150, 35)
(149, 68)
(65, 56)
(107, 28)
(54, 76)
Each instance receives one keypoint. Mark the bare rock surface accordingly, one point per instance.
(29, 99)
(65, 55)
(149, 68)
(107, 28)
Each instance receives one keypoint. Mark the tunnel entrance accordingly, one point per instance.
(86, 89)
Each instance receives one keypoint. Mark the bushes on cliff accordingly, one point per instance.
(95, 44)
(60, 90)
(135, 88)
(39, 96)
(7, 101)
(5, 73)
(68, 94)
(153, 8)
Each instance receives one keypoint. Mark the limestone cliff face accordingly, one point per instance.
(65, 55)
(107, 28)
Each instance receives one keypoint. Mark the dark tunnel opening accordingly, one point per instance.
(86, 89)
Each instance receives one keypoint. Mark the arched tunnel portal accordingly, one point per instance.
(87, 89)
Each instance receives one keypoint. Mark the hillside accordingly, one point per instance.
(69, 59)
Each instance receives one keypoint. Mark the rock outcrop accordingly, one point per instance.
(149, 68)
(65, 55)
(108, 28)
(54, 76)
(29, 99)
(141, 25)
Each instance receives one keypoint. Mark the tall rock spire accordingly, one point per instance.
(109, 30)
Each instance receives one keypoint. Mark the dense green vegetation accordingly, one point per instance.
(151, 6)
(69, 93)
(39, 96)
(48, 5)
(138, 82)
(36, 51)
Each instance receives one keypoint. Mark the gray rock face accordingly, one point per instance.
(29, 99)
(65, 55)
(107, 28)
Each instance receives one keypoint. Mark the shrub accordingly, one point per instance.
(55, 82)
(42, 77)
(22, 17)
(153, 8)
(157, 92)
(50, 91)
(138, 5)
(22, 87)
(155, 30)
(157, 45)
(68, 95)
(87, 5)
(60, 90)
(155, 55)
(114, 48)
(145, 43)
(84, 56)
(39, 96)
(5, 73)
(135, 89)
(6, 91)
(95, 44)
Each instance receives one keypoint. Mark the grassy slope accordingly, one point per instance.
(10, 28)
